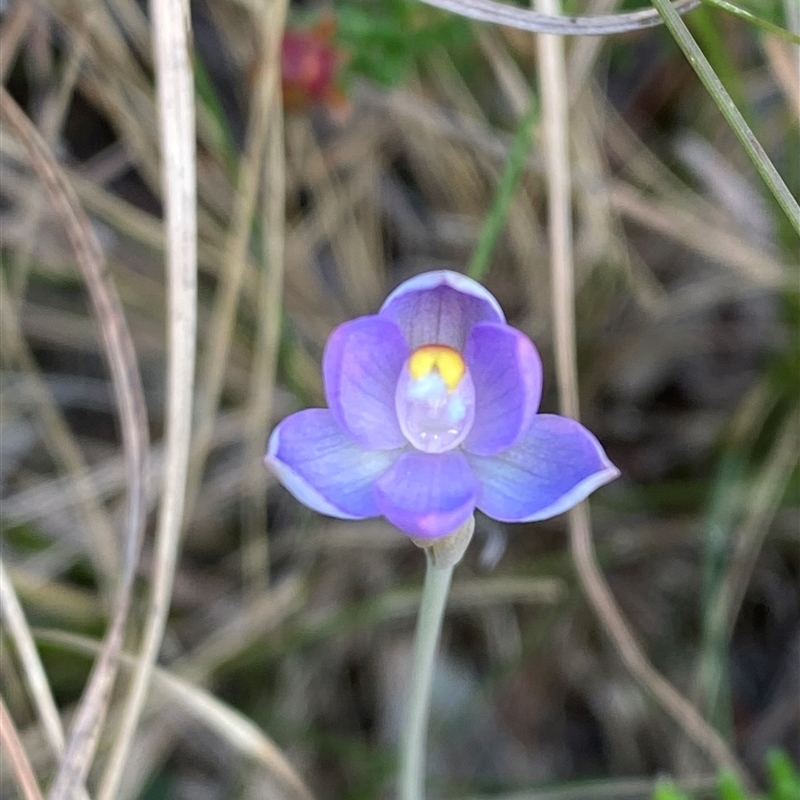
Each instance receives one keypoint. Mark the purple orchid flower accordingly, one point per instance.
(432, 413)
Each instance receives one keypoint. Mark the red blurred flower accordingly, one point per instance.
(309, 66)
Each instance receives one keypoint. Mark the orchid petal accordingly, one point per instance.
(362, 363)
(440, 308)
(507, 373)
(427, 495)
(323, 467)
(557, 464)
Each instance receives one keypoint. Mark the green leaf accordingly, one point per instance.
(666, 790)
(729, 787)
(784, 778)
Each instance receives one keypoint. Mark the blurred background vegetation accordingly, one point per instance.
(399, 119)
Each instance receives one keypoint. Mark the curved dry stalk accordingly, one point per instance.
(617, 629)
(115, 81)
(234, 634)
(229, 724)
(171, 27)
(132, 222)
(11, 34)
(38, 686)
(538, 22)
(61, 444)
(52, 119)
(21, 766)
(57, 436)
(33, 672)
(132, 410)
(555, 98)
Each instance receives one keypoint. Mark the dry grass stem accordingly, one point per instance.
(584, 52)
(226, 300)
(255, 552)
(230, 725)
(556, 127)
(23, 772)
(32, 670)
(52, 120)
(12, 33)
(121, 357)
(616, 627)
(171, 37)
(61, 443)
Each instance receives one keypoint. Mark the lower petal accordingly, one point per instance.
(557, 464)
(427, 494)
(323, 467)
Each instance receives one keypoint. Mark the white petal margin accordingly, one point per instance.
(556, 465)
(445, 277)
(323, 467)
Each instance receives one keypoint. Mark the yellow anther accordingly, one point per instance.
(446, 361)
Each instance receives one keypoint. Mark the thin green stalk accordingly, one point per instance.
(505, 192)
(724, 510)
(426, 638)
(753, 19)
(706, 73)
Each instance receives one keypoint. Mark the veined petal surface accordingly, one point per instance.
(361, 366)
(427, 495)
(323, 467)
(507, 373)
(440, 308)
(557, 464)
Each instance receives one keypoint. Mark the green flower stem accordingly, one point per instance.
(426, 638)
(706, 73)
